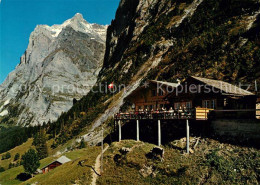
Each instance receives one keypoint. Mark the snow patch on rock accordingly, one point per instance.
(252, 19)
(4, 113)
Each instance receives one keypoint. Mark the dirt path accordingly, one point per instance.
(97, 167)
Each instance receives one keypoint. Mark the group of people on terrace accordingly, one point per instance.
(162, 113)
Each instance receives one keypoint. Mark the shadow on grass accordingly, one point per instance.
(23, 176)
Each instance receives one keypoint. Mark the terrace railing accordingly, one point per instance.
(158, 115)
(197, 114)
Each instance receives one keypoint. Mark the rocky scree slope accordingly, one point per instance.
(61, 63)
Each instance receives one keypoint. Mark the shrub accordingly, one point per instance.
(1, 169)
(82, 144)
(220, 164)
(11, 165)
(16, 157)
(6, 156)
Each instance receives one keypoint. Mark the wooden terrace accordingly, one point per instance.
(188, 114)
(179, 114)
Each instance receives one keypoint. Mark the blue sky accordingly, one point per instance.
(18, 18)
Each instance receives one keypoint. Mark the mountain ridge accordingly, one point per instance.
(62, 57)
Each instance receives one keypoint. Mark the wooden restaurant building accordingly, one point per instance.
(196, 96)
(151, 96)
(205, 95)
(196, 99)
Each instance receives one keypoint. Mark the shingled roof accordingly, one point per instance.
(146, 86)
(62, 160)
(169, 84)
(224, 86)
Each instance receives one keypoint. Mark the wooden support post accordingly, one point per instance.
(137, 130)
(159, 132)
(102, 150)
(119, 130)
(188, 136)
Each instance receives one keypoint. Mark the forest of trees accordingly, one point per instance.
(11, 137)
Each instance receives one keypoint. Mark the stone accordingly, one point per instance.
(146, 171)
(158, 151)
(124, 150)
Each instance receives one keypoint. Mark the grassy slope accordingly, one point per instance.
(231, 164)
(21, 149)
(70, 172)
(65, 174)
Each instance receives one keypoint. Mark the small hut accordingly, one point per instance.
(54, 164)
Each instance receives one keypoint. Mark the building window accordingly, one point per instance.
(225, 102)
(210, 104)
(186, 104)
(153, 92)
(176, 105)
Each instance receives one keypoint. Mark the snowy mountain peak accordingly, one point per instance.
(77, 22)
(78, 17)
(57, 57)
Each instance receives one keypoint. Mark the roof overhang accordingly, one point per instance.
(50, 164)
(154, 82)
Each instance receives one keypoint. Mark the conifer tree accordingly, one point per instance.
(82, 144)
(30, 161)
(16, 157)
(40, 144)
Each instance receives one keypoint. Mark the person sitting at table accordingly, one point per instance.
(151, 111)
(145, 113)
(164, 112)
(171, 112)
(185, 111)
(180, 111)
(156, 113)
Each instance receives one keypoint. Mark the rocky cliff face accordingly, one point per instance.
(208, 38)
(61, 63)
